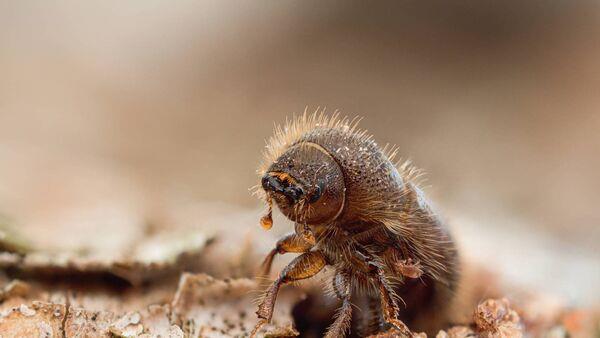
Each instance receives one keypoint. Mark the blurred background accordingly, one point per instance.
(112, 111)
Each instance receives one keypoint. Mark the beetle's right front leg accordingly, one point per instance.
(301, 241)
(304, 266)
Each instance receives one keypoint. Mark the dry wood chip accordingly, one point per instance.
(157, 323)
(208, 307)
(150, 257)
(127, 326)
(456, 332)
(82, 323)
(150, 322)
(495, 318)
(15, 288)
(38, 320)
(201, 305)
(394, 333)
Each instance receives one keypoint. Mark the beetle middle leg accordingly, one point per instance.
(374, 322)
(389, 305)
(304, 266)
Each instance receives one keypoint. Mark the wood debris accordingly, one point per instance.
(207, 307)
(36, 320)
(65, 293)
(148, 258)
(201, 305)
(495, 318)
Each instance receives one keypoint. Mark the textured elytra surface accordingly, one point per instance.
(380, 193)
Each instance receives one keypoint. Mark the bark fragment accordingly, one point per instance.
(197, 305)
(38, 320)
(148, 258)
(494, 318)
(207, 307)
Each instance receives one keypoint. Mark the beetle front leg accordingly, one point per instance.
(301, 241)
(304, 266)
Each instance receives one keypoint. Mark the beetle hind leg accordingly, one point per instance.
(342, 288)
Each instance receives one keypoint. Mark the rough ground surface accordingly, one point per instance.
(201, 306)
(140, 289)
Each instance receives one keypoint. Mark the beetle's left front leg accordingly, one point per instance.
(304, 266)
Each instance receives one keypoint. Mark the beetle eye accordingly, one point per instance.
(315, 194)
(293, 193)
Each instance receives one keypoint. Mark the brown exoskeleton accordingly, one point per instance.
(357, 212)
